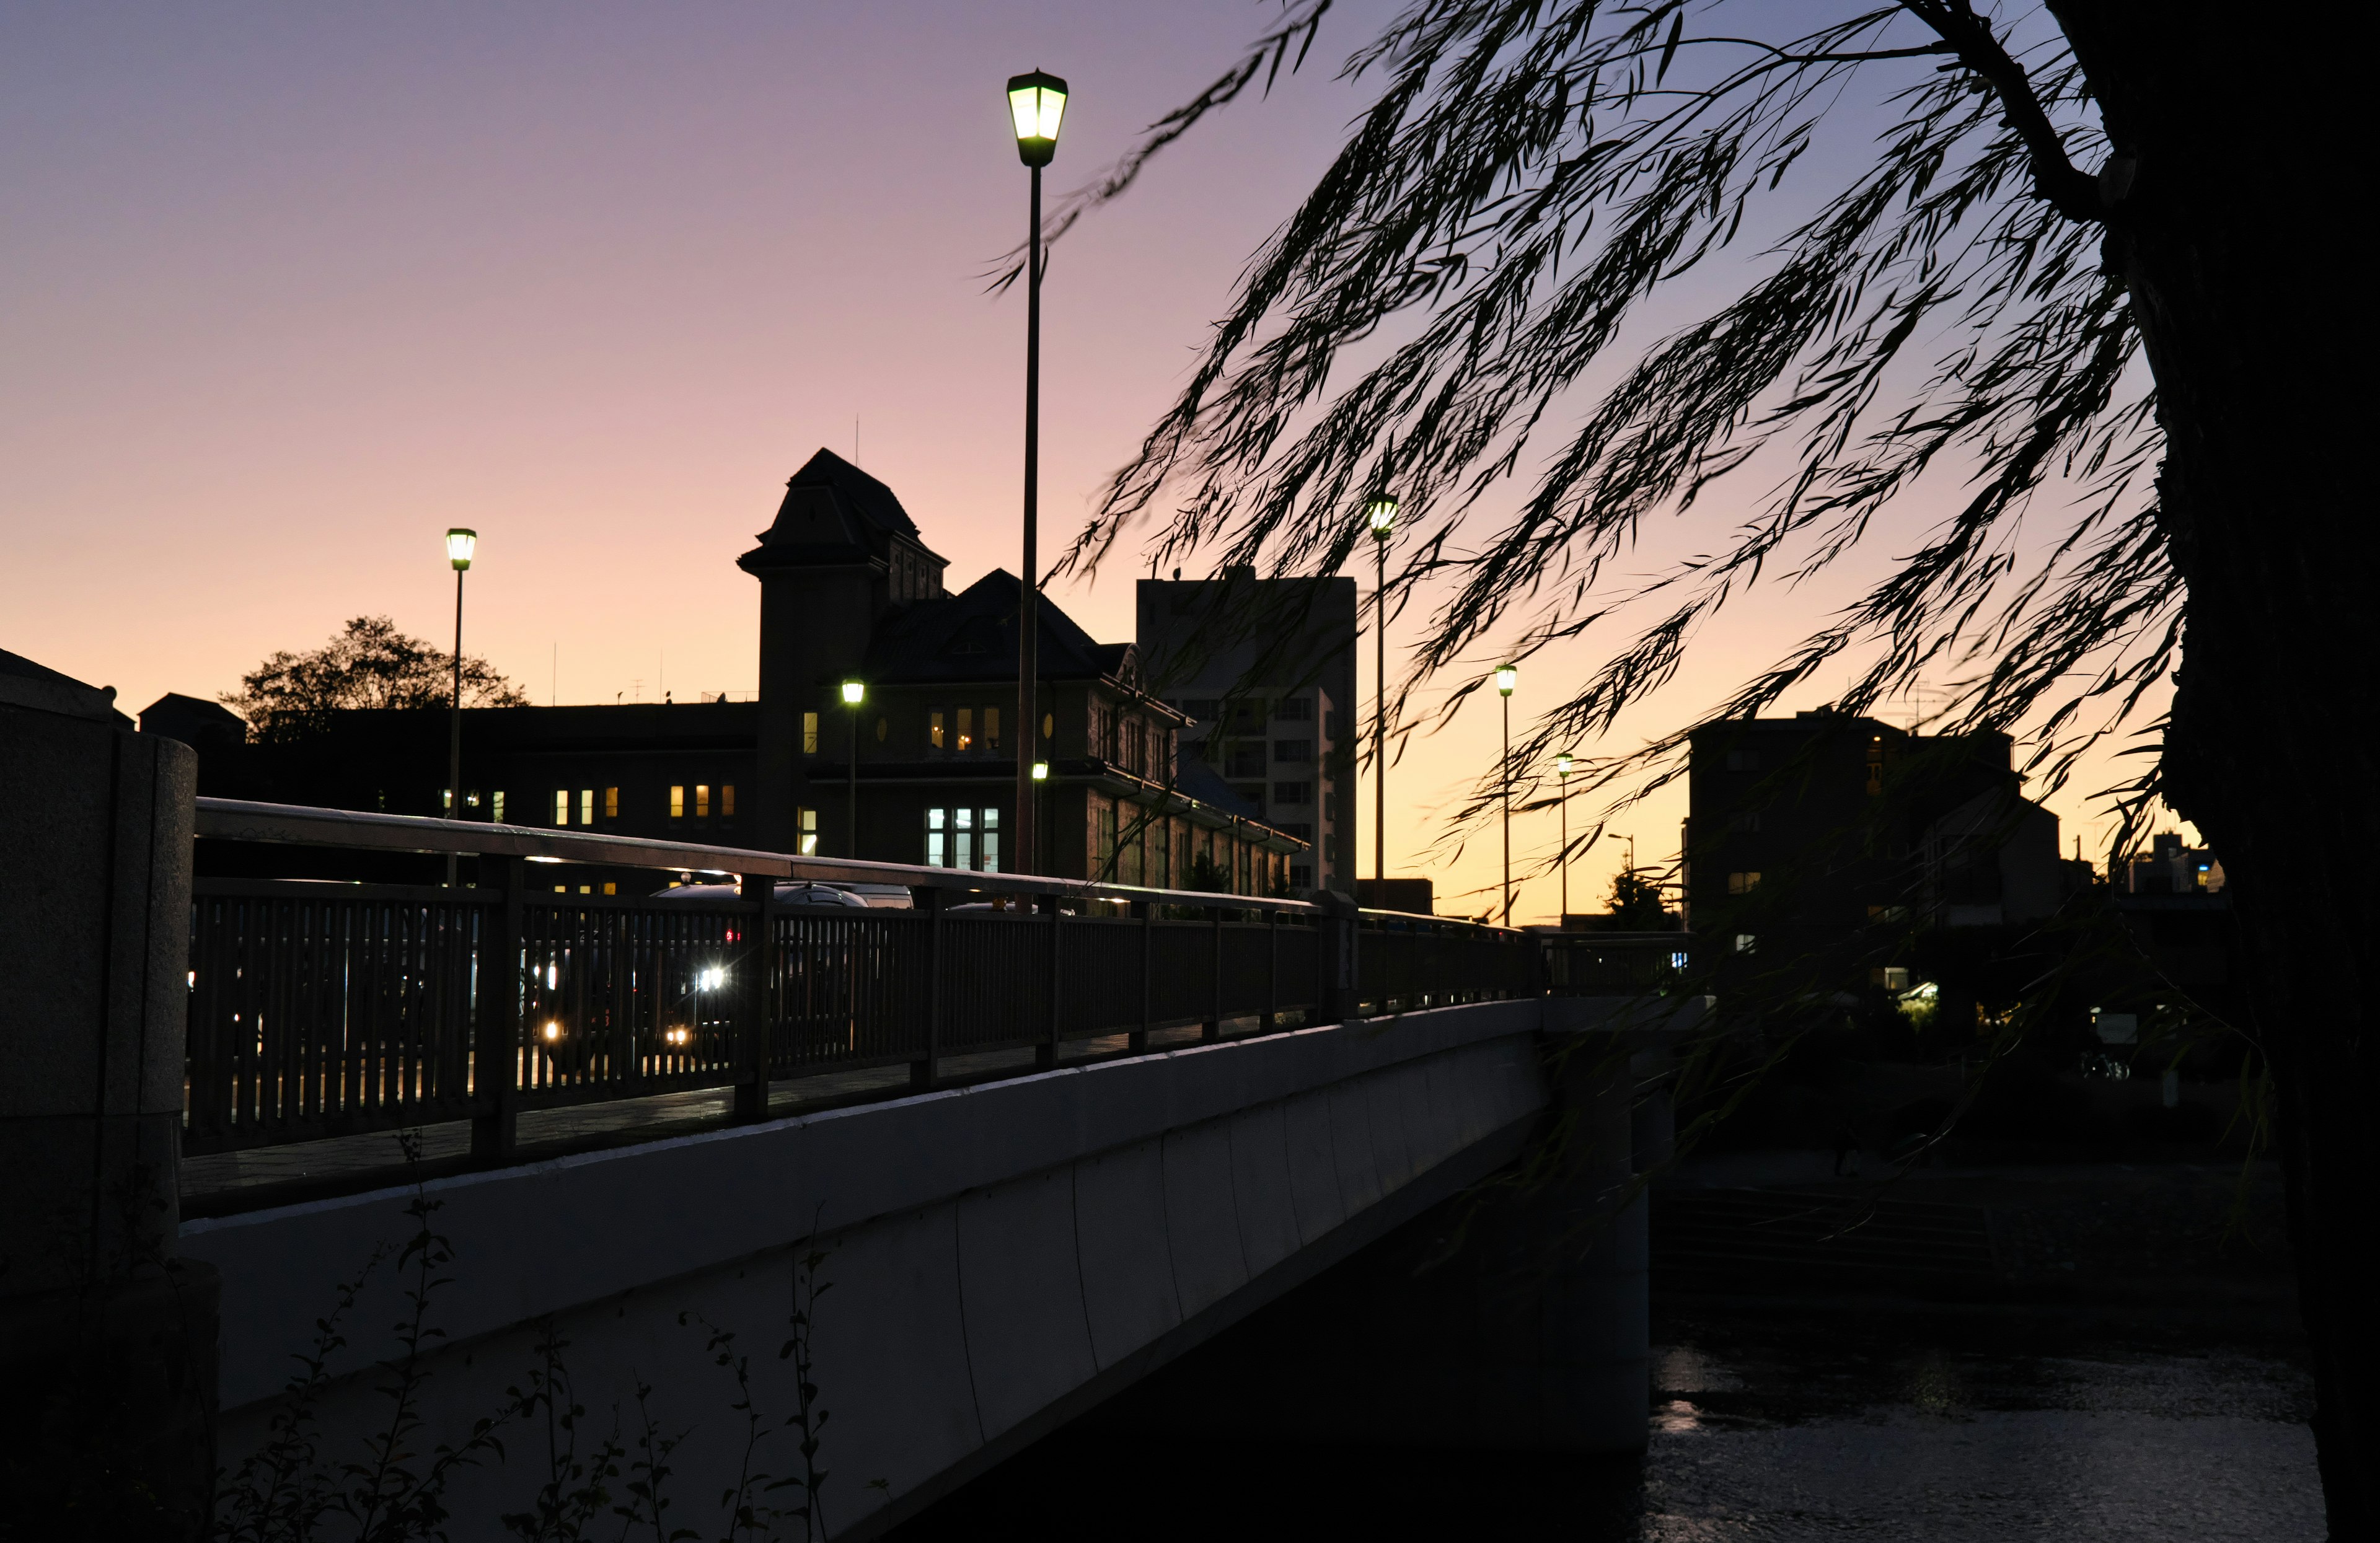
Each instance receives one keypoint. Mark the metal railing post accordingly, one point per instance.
(1272, 970)
(758, 973)
(1213, 1026)
(924, 1070)
(495, 1048)
(1047, 1053)
(1138, 1039)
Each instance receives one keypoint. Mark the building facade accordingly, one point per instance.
(1830, 835)
(1262, 672)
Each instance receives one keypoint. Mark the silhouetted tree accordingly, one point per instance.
(1637, 902)
(369, 664)
(2083, 256)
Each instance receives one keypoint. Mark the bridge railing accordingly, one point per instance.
(322, 1009)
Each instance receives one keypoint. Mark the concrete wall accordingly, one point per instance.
(999, 1259)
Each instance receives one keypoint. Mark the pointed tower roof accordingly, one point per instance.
(832, 512)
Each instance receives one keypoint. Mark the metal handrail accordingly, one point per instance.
(299, 824)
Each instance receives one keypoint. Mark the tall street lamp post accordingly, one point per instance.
(1383, 513)
(1037, 105)
(1505, 677)
(854, 694)
(1561, 776)
(461, 545)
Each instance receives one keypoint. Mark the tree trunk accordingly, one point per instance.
(2230, 239)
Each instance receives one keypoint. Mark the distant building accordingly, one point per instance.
(1413, 896)
(1807, 831)
(2173, 868)
(203, 725)
(1263, 672)
(849, 591)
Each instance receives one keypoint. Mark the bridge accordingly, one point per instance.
(971, 1170)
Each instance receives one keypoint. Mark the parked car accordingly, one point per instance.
(792, 892)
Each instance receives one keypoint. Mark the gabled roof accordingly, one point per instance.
(832, 512)
(972, 636)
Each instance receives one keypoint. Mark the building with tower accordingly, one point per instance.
(921, 769)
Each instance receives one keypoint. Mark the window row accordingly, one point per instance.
(1141, 747)
(963, 838)
(949, 730)
(1246, 712)
(1131, 847)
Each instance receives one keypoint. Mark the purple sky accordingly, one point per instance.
(286, 290)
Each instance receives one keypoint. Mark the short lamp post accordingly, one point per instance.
(1036, 105)
(1040, 784)
(1562, 778)
(1506, 676)
(854, 693)
(460, 545)
(1381, 510)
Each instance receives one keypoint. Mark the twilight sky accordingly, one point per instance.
(286, 290)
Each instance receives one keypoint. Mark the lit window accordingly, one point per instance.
(471, 799)
(587, 805)
(1743, 884)
(809, 734)
(935, 819)
(611, 803)
(727, 800)
(934, 728)
(808, 825)
(991, 728)
(498, 797)
(561, 806)
(612, 888)
(1049, 725)
(446, 800)
(1743, 942)
(962, 832)
(967, 729)
(677, 802)
(702, 800)
(992, 840)
(587, 889)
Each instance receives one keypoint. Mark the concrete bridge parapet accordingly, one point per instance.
(1000, 1258)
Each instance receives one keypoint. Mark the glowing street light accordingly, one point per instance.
(461, 545)
(1381, 510)
(1506, 677)
(1561, 775)
(855, 693)
(1036, 105)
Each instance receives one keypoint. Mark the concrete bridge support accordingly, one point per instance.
(1513, 1318)
(106, 1339)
